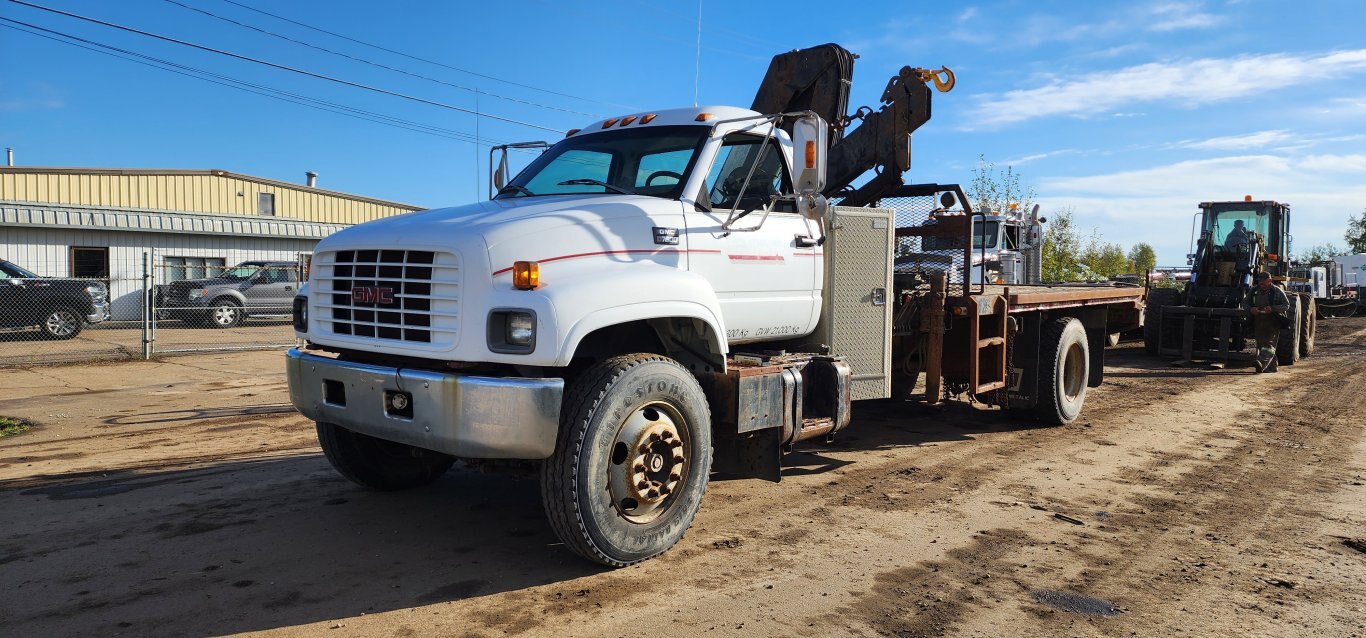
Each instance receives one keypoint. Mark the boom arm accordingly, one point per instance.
(818, 79)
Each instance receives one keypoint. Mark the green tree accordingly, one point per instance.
(1061, 248)
(1142, 258)
(995, 190)
(1356, 233)
(1104, 260)
(1321, 252)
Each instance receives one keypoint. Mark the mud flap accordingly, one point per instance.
(755, 454)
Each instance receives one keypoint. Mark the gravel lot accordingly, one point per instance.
(184, 497)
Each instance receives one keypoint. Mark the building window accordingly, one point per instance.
(90, 262)
(181, 268)
(265, 204)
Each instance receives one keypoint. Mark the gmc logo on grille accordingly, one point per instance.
(372, 294)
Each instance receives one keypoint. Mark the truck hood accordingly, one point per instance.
(482, 216)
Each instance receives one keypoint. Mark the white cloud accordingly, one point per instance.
(1156, 205)
(1038, 156)
(1173, 16)
(1189, 83)
(1260, 139)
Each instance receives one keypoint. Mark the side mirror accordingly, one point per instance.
(808, 153)
(498, 176)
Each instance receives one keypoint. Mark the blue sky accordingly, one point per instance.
(1128, 113)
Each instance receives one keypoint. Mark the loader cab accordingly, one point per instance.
(1239, 237)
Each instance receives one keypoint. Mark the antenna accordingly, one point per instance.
(697, 61)
(477, 184)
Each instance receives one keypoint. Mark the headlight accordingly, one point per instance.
(521, 328)
(197, 293)
(301, 313)
(97, 292)
(512, 331)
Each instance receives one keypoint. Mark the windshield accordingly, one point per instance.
(643, 161)
(1234, 228)
(985, 236)
(8, 270)
(240, 272)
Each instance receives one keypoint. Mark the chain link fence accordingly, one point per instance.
(156, 305)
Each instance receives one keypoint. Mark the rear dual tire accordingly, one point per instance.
(1064, 370)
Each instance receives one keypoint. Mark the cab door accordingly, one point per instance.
(766, 280)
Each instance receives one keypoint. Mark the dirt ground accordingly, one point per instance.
(185, 498)
(113, 340)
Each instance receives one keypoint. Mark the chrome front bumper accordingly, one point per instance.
(98, 312)
(460, 415)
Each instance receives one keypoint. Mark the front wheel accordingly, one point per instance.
(631, 460)
(62, 324)
(379, 464)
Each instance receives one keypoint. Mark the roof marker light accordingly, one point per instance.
(627, 120)
(572, 131)
(608, 123)
(645, 119)
(702, 117)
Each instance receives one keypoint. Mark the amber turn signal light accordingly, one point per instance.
(526, 275)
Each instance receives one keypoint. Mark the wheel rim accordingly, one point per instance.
(225, 315)
(649, 461)
(62, 323)
(1073, 367)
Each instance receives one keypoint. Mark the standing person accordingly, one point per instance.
(1267, 304)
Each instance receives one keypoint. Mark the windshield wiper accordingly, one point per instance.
(513, 188)
(584, 181)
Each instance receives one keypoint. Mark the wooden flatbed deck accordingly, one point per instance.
(1027, 298)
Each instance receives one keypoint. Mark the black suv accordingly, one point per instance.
(59, 307)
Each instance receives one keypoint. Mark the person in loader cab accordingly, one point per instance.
(1267, 304)
(1238, 237)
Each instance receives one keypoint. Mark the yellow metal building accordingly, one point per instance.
(117, 225)
(212, 192)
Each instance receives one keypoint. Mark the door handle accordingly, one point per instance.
(804, 241)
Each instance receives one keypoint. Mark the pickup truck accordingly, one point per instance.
(658, 296)
(251, 288)
(59, 307)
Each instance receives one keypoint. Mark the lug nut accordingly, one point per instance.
(676, 443)
(668, 435)
(644, 485)
(664, 491)
(639, 468)
(678, 458)
(652, 494)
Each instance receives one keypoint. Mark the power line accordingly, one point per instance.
(249, 87)
(372, 63)
(413, 57)
(285, 67)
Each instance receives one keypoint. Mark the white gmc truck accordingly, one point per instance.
(665, 294)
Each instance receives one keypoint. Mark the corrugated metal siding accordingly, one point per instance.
(212, 194)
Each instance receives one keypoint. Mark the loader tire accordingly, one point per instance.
(1152, 316)
(1288, 344)
(379, 464)
(631, 459)
(1309, 324)
(1064, 367)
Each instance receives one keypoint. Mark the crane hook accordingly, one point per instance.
(943, 79)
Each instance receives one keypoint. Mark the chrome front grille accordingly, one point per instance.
(399, 295)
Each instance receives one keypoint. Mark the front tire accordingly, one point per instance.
(1309, 323)
(1288, 343)
(631, 460)
(62, 323)
(379, 464)
(1064, 368)
(1152, 316)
